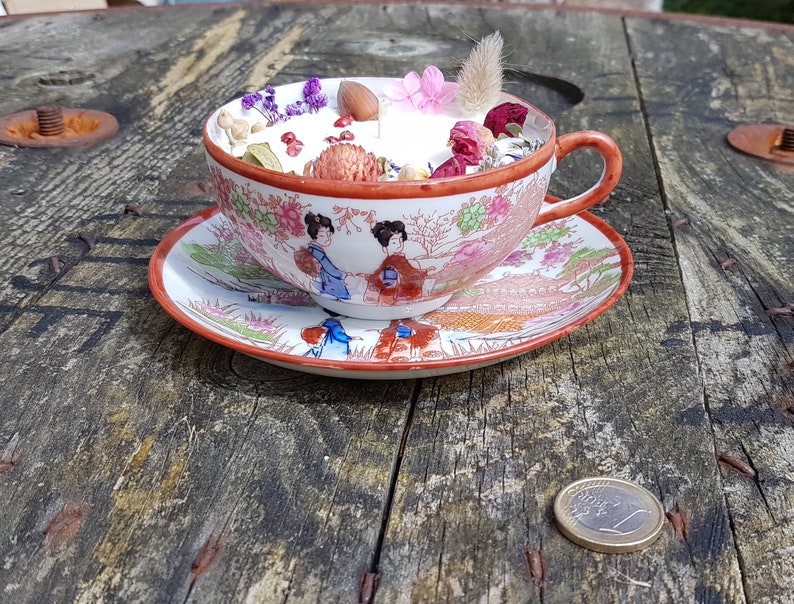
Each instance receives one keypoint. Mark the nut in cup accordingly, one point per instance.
(396, 249)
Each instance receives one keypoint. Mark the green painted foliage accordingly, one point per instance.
(226, 264)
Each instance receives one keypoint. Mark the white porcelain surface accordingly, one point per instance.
(566, 274)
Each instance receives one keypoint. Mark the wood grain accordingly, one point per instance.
(489, 451)
(736, 256)
(141, 462)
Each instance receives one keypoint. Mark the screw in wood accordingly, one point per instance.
(50, 118)
(772, 142)
(56, 126)
(787, 140)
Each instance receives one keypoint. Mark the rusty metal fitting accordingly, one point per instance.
(786, 144)
(771, 142)
(55, 126)
(50, 119)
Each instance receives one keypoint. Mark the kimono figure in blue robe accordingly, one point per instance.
(328, 279)
(328, 340)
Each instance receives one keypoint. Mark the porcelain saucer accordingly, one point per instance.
(563, 275)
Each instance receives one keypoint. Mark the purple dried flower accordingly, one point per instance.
(312, 87)
(313, 95)
(249, 100)
(266, 103)
(293, 109)
(317, 101)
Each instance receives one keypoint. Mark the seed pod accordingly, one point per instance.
(225, 119)
(356, 100)
(239, 129)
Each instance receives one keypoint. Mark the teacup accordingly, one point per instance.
(397, 249)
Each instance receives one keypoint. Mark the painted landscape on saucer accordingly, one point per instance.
(561, 275)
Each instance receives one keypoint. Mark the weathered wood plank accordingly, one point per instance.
(736, 251)
(488, 451)
(143, 463)
(160, 84)
(148, 464)
(179, 442)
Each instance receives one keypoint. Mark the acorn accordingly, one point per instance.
(356, 100)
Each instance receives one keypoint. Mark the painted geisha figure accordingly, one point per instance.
(407, 340)
(328, 279)
(327, 340)
(395, 280)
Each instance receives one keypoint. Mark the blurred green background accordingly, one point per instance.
(765, 10)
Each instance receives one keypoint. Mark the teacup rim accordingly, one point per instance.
(440, 187)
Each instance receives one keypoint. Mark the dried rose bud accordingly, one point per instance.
(239, 129)
(506, 113)
(408, 172)
(470, 141)
(451, 167)
(225, 119)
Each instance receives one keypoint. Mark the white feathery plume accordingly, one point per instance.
(481, 76)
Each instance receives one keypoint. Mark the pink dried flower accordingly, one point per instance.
(437, 93)
(451, 167)
(345, 161)
(470, 141)
(428, 93)
(406, 94)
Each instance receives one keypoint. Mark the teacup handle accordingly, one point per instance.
(555, 208)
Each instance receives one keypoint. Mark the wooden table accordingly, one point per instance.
(143, 463)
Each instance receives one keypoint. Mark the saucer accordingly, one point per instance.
(563, 275)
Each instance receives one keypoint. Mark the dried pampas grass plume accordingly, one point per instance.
(480, 78)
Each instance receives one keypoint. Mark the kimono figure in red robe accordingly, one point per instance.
(395, 280)
(407, 340)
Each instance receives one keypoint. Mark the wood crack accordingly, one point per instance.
(370, 577)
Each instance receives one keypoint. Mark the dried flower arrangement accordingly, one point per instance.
(472, 145)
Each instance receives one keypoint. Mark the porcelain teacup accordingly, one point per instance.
(390, 249)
